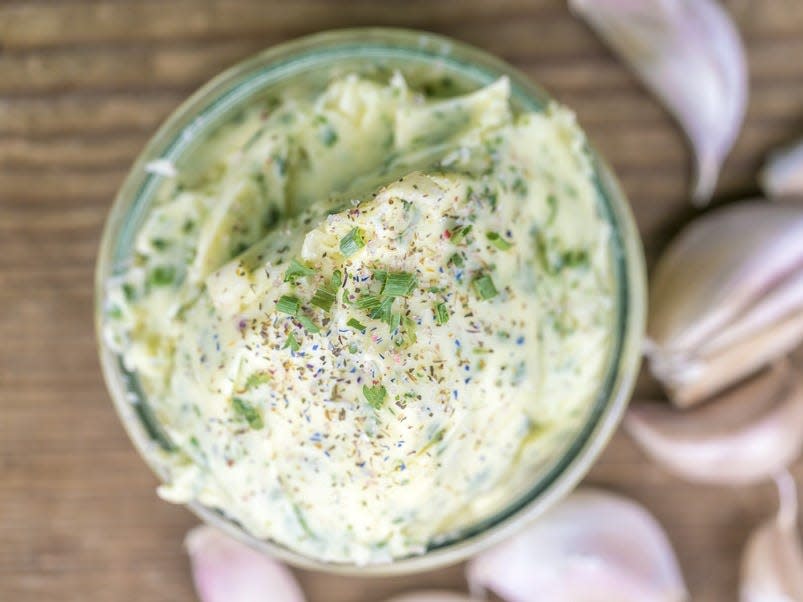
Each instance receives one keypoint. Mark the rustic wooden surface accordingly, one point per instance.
(82, 87)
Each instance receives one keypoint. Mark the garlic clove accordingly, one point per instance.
(592, 547)
(744, 436)
(709, 294)
(431, 596)
(689, 54)
(225, 570)
(772, 563)
(782, 175)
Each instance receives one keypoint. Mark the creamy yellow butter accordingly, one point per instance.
(365, 319)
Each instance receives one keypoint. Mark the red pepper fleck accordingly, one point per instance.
(447, 234)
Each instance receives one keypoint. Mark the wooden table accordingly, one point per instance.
(82, 87)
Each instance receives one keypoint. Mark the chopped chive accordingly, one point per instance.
(368, 302)
(160, 244)
(352, 242)
(484, 287)
(380, 275)
(398, 284)
(496, 240)
(249, 412)
(291, 343)
(456, 260)
(441, 314)
(288, 304)
(297, 270)
(356, 324)
(394, 320)
(409, 331)
(257, 379)
(162, 275)
(323, 298)
(308, 324)
(375, 396)
(383, 311)
(459, 233)
(337, 279)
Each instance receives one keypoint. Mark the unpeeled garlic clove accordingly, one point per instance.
(772, 563)
(782, 175)
(225, 570)
(592, 546)
(431, 596)
(742, 437)
(726, 298)
(690, 55)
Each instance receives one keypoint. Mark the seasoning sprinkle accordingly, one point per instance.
(352, 242)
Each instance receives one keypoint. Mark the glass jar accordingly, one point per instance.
(419, 56)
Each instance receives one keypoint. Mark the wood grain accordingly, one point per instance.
(82, 87)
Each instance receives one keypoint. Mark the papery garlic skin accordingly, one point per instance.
(782, 175)
(225, 570)
(772, 564)
(689, 54)
(592, 547)
(744, 436)
(726, 298)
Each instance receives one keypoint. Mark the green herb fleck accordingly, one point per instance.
(441, 314)
(460, 233)
(484, 287)
(291, 343)
(356, 325)
(308, 324)
(328, 136)
(375, 396)
(249, 412)
(160, 244)
(287, 304)
(496, 240)
(257, 379)
(129, 292)
(337, 279)
(552, 202)
(162, 275)
(380, 275)
(352, 242)
(368, 302)
(520, 187)
(456, 260)
(399, 284)
(297, 270)
(383, 311)
(323, 298)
